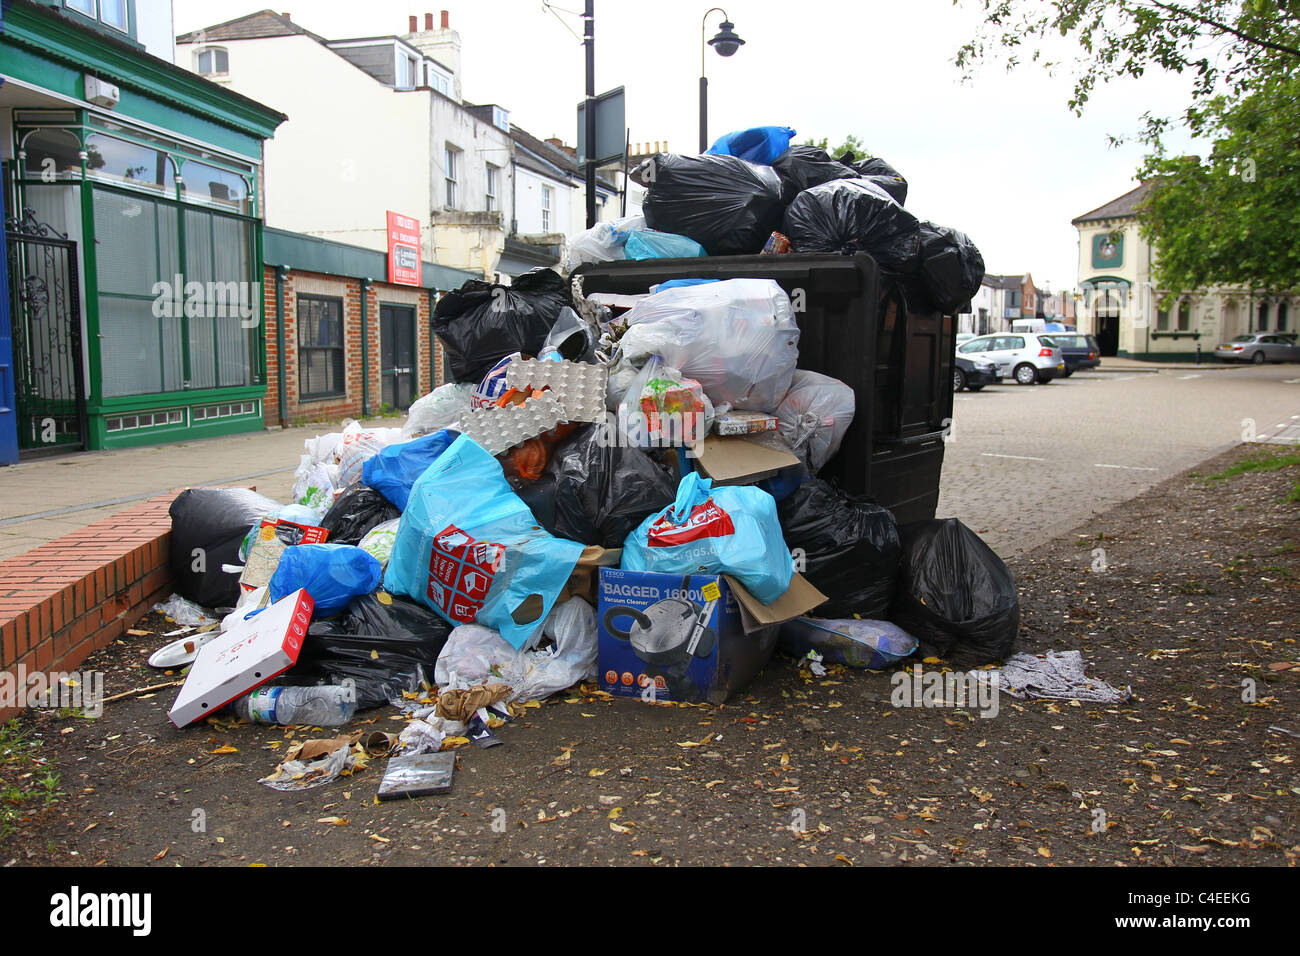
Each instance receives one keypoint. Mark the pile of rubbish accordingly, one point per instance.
(625, 494)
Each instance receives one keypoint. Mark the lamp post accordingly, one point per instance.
(726, 43)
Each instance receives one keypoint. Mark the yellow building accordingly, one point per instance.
(1118, 304)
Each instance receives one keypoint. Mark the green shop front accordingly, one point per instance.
(133, 235)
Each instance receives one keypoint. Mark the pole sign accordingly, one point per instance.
(403, 249)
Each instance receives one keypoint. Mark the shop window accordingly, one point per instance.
(201, 182)
(320, 347)
(214, 61)
(131, 164)
(50, 154)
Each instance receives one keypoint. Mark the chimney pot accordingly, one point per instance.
(412, 22)
(286, 16)
(446, 20)
(428, 21)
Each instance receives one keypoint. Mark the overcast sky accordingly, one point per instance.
(1000, 157)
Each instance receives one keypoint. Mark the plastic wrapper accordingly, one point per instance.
(885, 176)
(493, 384)
(851, 642)
(758, 144)
(737, 338)
(652, 244)
(474, 654)
(208, 527)
(707, 530)
(951, 267)
(355, 512)
(601, 490)
(297, 514)
(482, 322)
(439, 409)
(662, 408)
(313, 485)
(814, 416)
(571, 338)
(394, 469)
(378, 542)
(853, 215)
(802, 167)
(470, 549)
(955, 596)
(848, 546)
(384, 644)
(358, 445)
(603, 242)
(183, 612)
(725, 204)
(333, 574)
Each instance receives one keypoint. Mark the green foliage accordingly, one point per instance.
(852, 144)
(21, 786)
(1227, 220)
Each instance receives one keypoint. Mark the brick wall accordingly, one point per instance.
(81, 592)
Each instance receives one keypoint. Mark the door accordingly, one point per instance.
(1106, 324)
(397, 355)
(45, 327)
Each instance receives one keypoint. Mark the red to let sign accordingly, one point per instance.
(403, 249)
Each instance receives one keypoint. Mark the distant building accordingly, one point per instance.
(1119, 305)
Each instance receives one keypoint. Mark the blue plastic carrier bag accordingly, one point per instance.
(707, 530)
(333, 574)
(394, 469)
(470, 549)
(653, 244)
(759, 144)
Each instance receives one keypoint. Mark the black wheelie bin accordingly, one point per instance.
(874, 331)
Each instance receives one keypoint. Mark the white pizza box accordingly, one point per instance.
(251, 653)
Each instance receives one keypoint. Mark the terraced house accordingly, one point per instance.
(133, 196)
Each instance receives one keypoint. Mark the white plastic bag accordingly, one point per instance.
(378, 541)
(814, 416)
(603, 242)
(358, 445)
(437, 410)
(474, 654)
(738, 338)
(325, 448)
(313, 486)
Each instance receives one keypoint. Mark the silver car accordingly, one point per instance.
(1028, 357)
(1259, 347)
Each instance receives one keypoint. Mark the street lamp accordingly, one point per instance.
(726, 43)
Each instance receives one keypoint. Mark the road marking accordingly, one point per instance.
(1290, 381)
(1127, 467)
(989, 454)
(1183, 378)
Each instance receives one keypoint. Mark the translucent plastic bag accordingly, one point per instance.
(603, 242)
(437, 410)
(653, 244)
(851, 642)
(737, 338)
(378, 542)
(313, 485)
(662, 408)
(814, 416)
(358, 445)
(707, 530)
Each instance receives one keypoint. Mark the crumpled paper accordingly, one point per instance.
(461, 704)
(314, 763)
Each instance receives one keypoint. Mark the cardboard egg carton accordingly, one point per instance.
(578, 386)
(500, 429)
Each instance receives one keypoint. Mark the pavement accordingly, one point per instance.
(1023, 461)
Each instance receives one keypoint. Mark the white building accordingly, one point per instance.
(375, 124)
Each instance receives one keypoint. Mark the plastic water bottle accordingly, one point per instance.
(327, 706)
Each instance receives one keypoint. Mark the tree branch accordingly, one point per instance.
(1226, 28)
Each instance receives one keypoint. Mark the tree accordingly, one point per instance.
(852, 144)
(1226, 220)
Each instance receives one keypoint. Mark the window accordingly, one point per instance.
(1184, 316)
(81, 6)
(320, 347)
(491, 202)
(976, 345)
(201, 182)
(437, 79)
(1162, 320)
(501, 118)
(113, 12)
(408, 71)
(548, 195)
(1281, 317)
(214, 61)
(51, 153)
(131, 164)
(1262, 324)
(451, 172)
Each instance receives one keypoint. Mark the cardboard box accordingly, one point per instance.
(698, 637)
(273, 536)
(248, 655)
(743, 460)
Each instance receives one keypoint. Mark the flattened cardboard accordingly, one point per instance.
(799, 598)
(740, 459)
(248, 655)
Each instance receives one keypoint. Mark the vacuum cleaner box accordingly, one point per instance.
(694, 637)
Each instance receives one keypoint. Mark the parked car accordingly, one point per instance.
(1027, 357)
(964, 337)
(1259, 347)
(1078, 350)
(972, 374)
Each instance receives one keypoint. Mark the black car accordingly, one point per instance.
(1077, 350)
(973, 375)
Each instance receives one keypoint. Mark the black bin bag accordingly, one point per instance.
(208, 526)
(950, 265)
(382, 642)
(355, 512)
(885, 176)
(955, 596)
(802, 167)
(853, 215)
(849, 545)
(482, 322)
(727, 205)
(602, 492)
